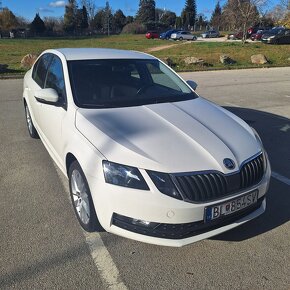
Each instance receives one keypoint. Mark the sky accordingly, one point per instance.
(28, 8)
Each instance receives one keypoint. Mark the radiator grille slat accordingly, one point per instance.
(214, 185)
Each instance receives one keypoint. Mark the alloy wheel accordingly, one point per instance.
(80, 196)
(29, 121)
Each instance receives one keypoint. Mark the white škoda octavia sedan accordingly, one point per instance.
(146, 157)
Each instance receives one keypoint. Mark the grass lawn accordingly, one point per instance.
(277, 55)
(12, 50)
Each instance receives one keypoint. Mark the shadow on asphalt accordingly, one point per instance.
(275, 134)
(36, 268)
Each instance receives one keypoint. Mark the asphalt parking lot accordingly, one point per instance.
(43, 247)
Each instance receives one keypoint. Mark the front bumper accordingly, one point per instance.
(268, 41)
(180, 223)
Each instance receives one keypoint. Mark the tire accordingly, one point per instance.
(180, 38)
(167, 38)
(31, 129)
(82, 199)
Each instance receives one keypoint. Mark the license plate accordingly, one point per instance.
(231, 206)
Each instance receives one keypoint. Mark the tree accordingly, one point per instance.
(216, 17)
(53, 24)
(201, 21)
(230, 19)
(249, 14)
(103, 20)
(82, 18)
(91, 10)
(168, 18)
(178, 22)
(98, 19)
(119, 20)
(188, 14)
(277, 14)
(240, 14)
(129, 19)
(22, 22)
(159, 14)
(37, 26)
(146, 12)
(8, 20)
(107, 19)
(70, 16)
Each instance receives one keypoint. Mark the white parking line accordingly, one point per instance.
(102, 258)
(281, 178)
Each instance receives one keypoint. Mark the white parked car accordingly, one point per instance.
(146, 157)
(183, 35)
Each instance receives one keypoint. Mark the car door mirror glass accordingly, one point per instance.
(192, 84)
(48, 96)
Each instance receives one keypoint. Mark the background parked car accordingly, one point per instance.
(183, 35)
(278, 35)
(258, 35)
(254, 29)
(152, 35)
(235, 35)
(210, 33)
(167, 34)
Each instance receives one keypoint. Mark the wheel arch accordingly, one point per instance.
(69, 159)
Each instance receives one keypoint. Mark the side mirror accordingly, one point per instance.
(192, 84)
(47, 96)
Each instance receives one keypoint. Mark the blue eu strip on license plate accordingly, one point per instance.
(231, 206)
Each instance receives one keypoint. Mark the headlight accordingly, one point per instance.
(164, 184)
(271, 37)
(123, 175)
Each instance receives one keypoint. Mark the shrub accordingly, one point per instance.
(134, 28)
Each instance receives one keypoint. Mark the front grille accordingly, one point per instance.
(210, 186)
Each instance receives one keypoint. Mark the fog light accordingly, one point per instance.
(140, 222)
(128, 222)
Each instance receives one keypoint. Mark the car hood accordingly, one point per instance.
(193, 135)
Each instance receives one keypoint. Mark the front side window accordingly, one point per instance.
(125, 82)
(55, 77)
(40, 69)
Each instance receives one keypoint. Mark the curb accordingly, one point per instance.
(9, 77)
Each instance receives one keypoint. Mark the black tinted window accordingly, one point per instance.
(121, 83)
(55, 77)
(40, 69)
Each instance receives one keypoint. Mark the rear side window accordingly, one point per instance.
(40, 69)
(55, 77)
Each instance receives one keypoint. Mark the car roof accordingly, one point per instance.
(100, 53)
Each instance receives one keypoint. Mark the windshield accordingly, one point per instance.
(126, 82)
